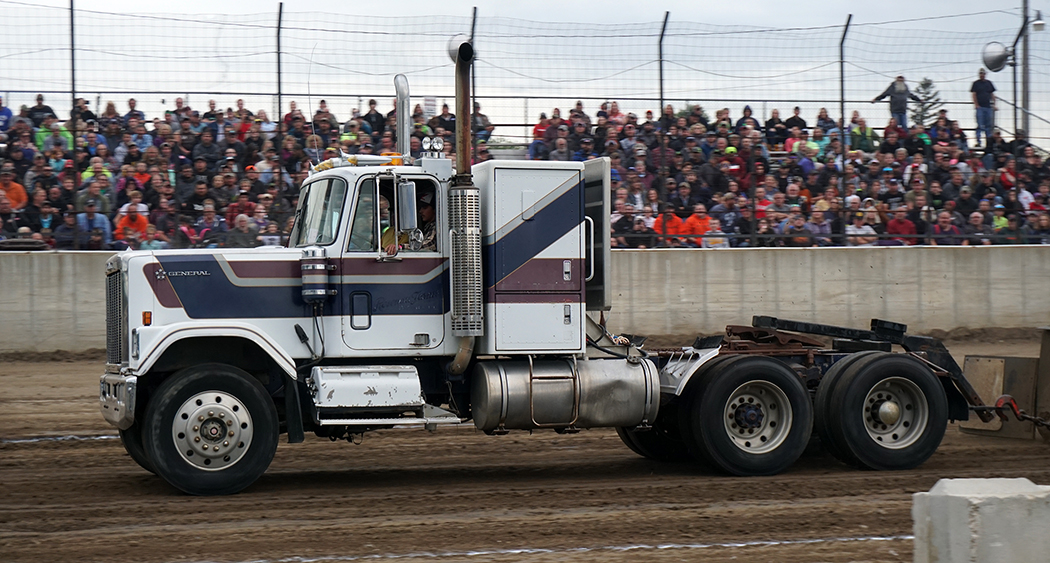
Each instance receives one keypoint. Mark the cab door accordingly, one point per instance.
(389, 302)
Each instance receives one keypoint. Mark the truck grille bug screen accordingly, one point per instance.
(115, 314)
(467, 305)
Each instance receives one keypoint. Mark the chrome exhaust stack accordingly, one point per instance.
(404, 118)
(465, 220)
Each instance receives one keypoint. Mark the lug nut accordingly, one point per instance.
(222, 415)
(229, 422)
(211, 413)
(196, 438)
(205, 446)
(225, 443)
(196, 428)
(200, 418)
(231, 433)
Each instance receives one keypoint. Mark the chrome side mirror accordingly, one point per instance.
(406, 206)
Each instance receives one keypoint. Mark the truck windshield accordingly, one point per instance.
(320, 212)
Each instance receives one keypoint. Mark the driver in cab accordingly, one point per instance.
(392, 243)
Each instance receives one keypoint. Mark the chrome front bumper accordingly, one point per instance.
(116, 399)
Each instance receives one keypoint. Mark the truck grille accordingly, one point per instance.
(116, 319)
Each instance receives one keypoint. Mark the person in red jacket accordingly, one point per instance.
(900, 225)
(669, 224)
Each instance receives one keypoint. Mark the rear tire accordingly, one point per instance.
(890, 412)
(750, 415)
(822, 404)
(132, 441)
(211, 430)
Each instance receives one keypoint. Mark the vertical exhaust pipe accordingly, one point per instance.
(404, 118)
(461, 52)
(465, 220)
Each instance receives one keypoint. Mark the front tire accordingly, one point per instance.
(132, 441)
(211, 430)
(662, 442)
(749, 416)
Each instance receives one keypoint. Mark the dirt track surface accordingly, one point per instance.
(456, 494)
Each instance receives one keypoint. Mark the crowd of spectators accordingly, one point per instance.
(681, 179)
(232, 177)
(223, 177)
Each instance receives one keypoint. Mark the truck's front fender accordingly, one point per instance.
(154, 341)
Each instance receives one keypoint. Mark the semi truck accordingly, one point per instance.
(417, 294)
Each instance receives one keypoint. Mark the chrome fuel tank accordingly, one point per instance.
(523, 395)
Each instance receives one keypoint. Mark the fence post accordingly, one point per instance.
(844, 128)
(280, 16)
(72, 70)
(660, 47)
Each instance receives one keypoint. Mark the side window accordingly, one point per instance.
(363, 229)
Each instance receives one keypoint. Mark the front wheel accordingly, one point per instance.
(211, 430)
(749, 416)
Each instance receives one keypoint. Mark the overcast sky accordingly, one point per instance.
(751, 12)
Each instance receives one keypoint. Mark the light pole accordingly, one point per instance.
(996, 56)
(1037, 25)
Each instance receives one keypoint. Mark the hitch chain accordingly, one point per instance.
(1006, 402)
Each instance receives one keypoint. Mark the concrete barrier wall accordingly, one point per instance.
(56, 300)
(685, 292)
(52, 301)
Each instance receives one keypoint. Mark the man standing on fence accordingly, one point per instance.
(899, 93)
(983, 94)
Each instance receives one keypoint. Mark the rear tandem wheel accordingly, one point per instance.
(749, 415)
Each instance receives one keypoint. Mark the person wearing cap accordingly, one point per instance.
(982, 93)
(578, 132)
(92, 219)
(859, 233)
(1012, 233)
(586, 151)
(209, 224)
(427, 222)
(13, 192)
(207, 150)
(40, 111)
(242, 205)
(668, 223)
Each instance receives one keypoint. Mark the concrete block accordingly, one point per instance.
(979, 520)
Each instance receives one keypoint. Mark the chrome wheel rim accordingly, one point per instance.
(895, 413)
(757, 417)
(212, 430)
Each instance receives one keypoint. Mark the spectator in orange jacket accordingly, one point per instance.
(133, 220)
(697, 224)
(670, 224)
(15, 192)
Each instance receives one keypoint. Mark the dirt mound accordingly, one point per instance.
(986, 334)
